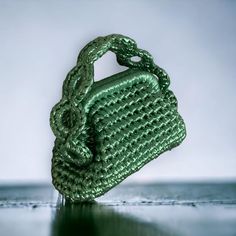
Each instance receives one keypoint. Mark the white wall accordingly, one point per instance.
(193, 40)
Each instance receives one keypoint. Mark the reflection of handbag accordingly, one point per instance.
(109, 129)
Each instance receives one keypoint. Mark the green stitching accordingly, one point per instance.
(107, 130)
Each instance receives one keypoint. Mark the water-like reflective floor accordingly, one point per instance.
(150, 209)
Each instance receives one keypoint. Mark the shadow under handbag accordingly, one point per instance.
(107, 130)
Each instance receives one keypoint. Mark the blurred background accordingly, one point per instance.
(194, 41)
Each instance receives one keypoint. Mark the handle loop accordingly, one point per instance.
(81, 77)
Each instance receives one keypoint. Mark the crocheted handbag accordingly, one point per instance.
(107, 130)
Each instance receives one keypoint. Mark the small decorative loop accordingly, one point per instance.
(65, 118)
(73, 152)
(59, 130)
(144, 63)
(76, 152)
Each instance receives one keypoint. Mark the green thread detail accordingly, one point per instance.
(109, 129)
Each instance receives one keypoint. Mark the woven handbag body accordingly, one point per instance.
(109, 129)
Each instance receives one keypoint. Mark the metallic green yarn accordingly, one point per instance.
(109, 129)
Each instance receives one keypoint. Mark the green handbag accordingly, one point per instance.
(109, 129)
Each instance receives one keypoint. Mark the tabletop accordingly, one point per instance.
(163, 208)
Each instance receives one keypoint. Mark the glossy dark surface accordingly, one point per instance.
(150, 209)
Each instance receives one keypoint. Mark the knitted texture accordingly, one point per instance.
(109, 129)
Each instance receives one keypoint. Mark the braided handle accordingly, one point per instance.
(98, 47)
(124, 47)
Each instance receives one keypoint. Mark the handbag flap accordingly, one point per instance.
(115, 83)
